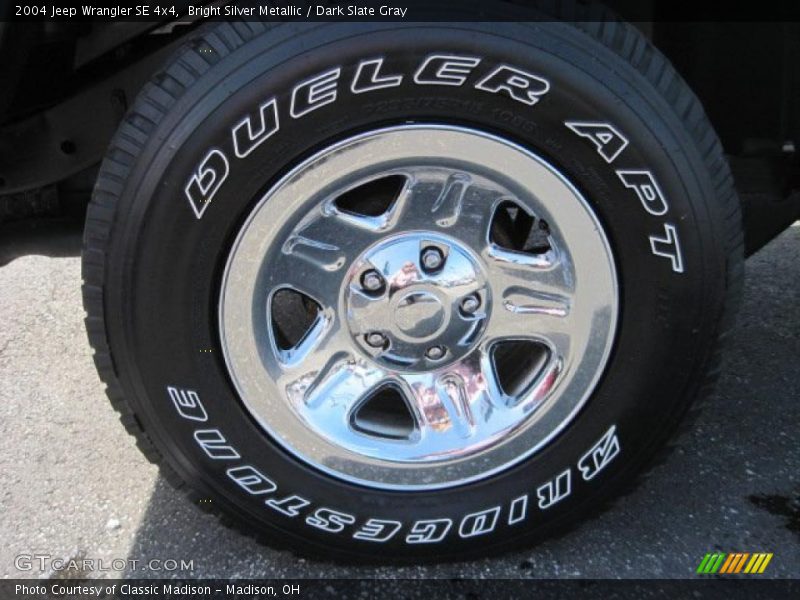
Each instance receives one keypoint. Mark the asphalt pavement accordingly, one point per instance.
(74, 486)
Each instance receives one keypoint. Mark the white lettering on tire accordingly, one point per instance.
(479, 523)
(647, 189)
(188, 404)
(247, 138)
(668, 246)
(445, 69)
(368, 77)
(436, 69)
(606, 138)
(289, 506)
(610, 143)
(518, 510)
(215, 445)
(206, 181)
(314, 93)
(378, 530)
(600, 455)
(327, 519)
(518, 84)
(555, 490)
(429, 531)
(252, 480)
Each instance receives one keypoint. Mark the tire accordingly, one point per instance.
(600, 109)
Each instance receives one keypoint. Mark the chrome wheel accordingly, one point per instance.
(418, 307)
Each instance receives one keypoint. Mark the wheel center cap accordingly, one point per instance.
(404, 299)
(419, 314)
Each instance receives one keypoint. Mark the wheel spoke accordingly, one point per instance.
(316, 254)
(450, 201)
(440, 410)
(533, 297)
(456, 403)
(546, 272)
(330, 393)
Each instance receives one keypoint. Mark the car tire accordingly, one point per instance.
(197, 203)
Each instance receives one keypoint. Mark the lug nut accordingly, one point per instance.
(470, 304)
(434, 353)
(376, 340)
(432, 258)
(371, 281)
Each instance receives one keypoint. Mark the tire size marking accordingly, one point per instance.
(380, 530)
(610, 143)
(313, 93)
